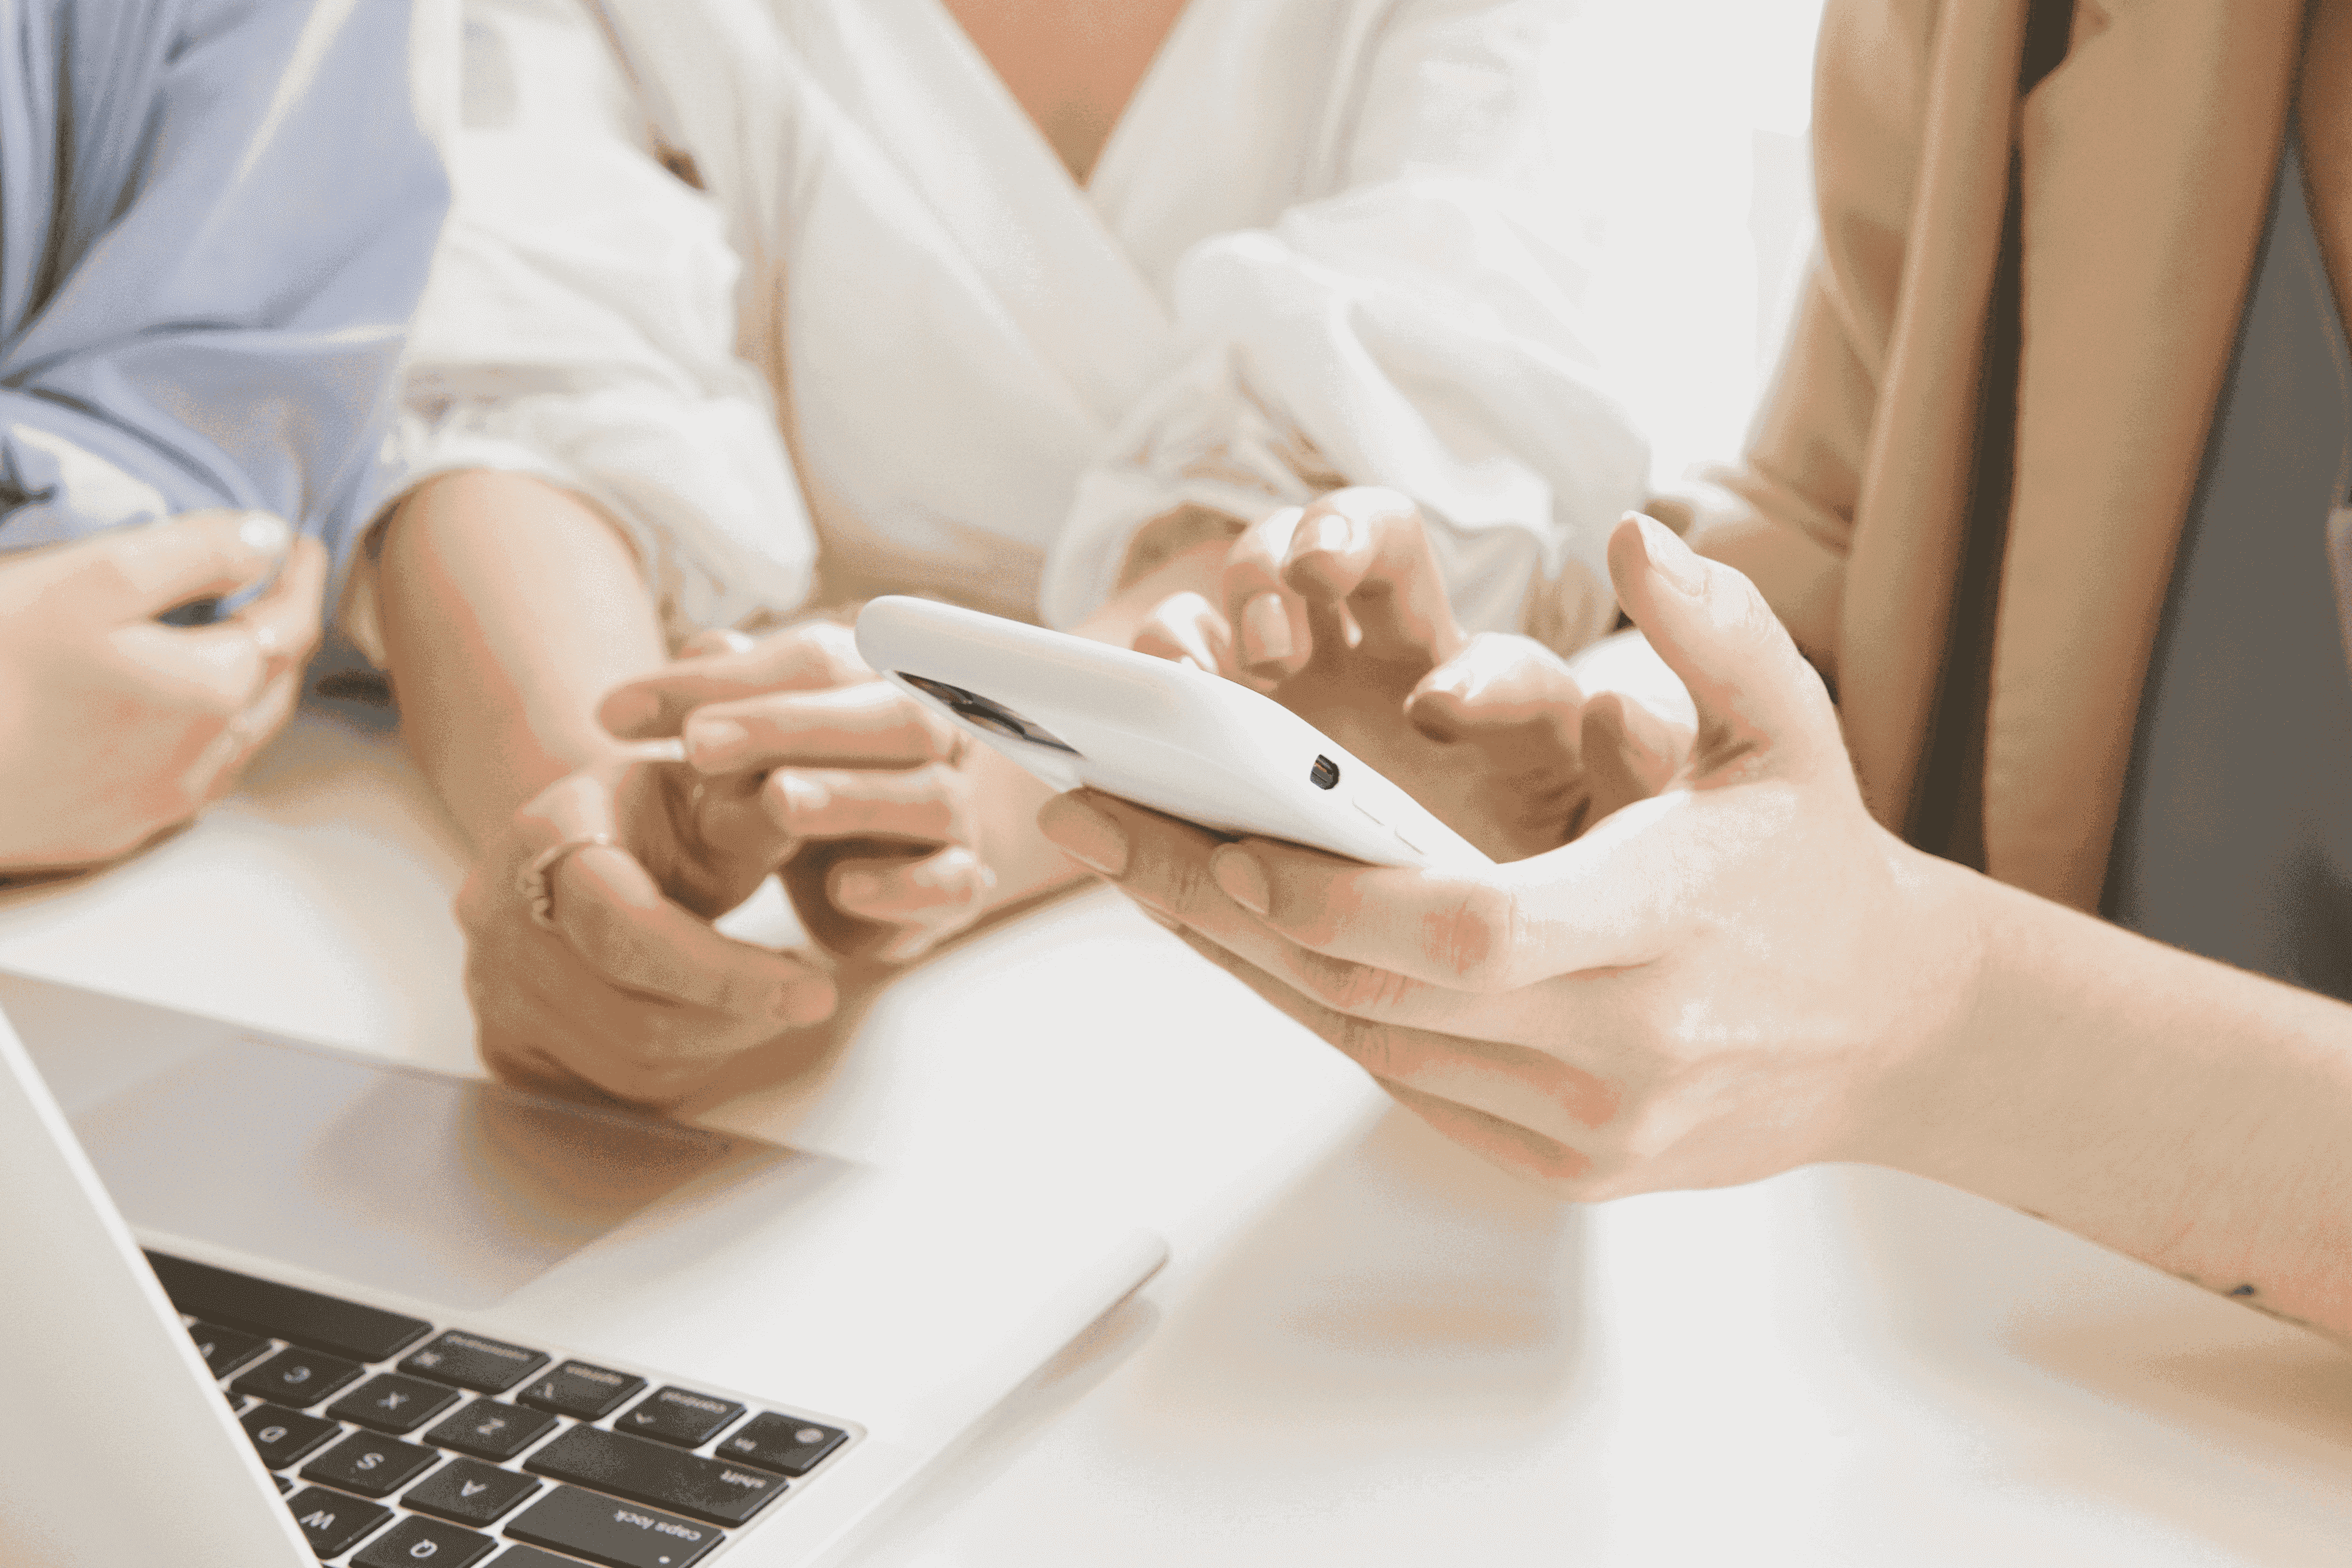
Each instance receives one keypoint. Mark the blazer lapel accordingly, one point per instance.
(2323, 118)
(2146, 160)
(1912, 507)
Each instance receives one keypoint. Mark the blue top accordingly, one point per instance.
(2235, 837)
(215, 218)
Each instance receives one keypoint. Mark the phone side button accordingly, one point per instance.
(1367, 811)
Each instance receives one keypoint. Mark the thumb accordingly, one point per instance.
(138, 573)
(1758, 700)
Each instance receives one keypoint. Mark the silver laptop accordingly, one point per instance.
(263, 1305)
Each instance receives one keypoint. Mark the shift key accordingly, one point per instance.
(617, 1534)
(628, 1466)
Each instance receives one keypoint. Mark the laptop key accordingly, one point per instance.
(298, 1377)
(331, 1522)
(491, 1430)
(369, 1465)
(424, 1540)
(709, 1489)
(533, 1557)
(575, 1388)
(390, 1403)
(470, 1360)
(470, 1492)
(785, 1444)
(616, 1534)
(227, 1350)
(281, 1436)
(298, 1317)
(679, 1416)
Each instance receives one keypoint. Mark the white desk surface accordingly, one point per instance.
(1368, 1349)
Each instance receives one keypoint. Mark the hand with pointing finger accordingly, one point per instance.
(1339, 612)
(807, 762)
(118, 726)
(1710, 985)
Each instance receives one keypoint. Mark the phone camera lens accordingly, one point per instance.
(992, 716)
(1325, 773)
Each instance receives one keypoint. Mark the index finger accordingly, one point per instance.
(1367, 548)
(137, 574)
(810, 656)
(231, 661)
(1607, 900)
(283, 623)
(870, 725)
(1604, 901)
(1269, 622)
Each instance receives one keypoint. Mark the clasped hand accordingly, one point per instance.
(800, 762)
(121, 726)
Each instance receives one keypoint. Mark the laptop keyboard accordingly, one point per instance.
(402, 1443)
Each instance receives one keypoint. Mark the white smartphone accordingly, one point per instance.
(1080, 714)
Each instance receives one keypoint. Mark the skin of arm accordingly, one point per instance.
(1742, 973)
(2171, 1108)
(508, 608)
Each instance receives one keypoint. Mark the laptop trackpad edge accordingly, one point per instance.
(448, 1189)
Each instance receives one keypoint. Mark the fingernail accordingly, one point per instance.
(1333, 533)
(1266, 629)
(1243, 878)
(801, 796)
(1670, 557)
(672, 750)
(264, 534)
(1085, 835)
(860, 886)
(711, 742)
(734, 642)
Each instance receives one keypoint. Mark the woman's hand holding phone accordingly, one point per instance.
(1337, 611)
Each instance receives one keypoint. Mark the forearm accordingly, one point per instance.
(2186, 1113)
(508, 608)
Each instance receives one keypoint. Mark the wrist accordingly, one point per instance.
(1926, 1104)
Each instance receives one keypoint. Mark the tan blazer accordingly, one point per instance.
(2147, 158)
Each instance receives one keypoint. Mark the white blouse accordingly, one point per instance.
(1316, 251)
